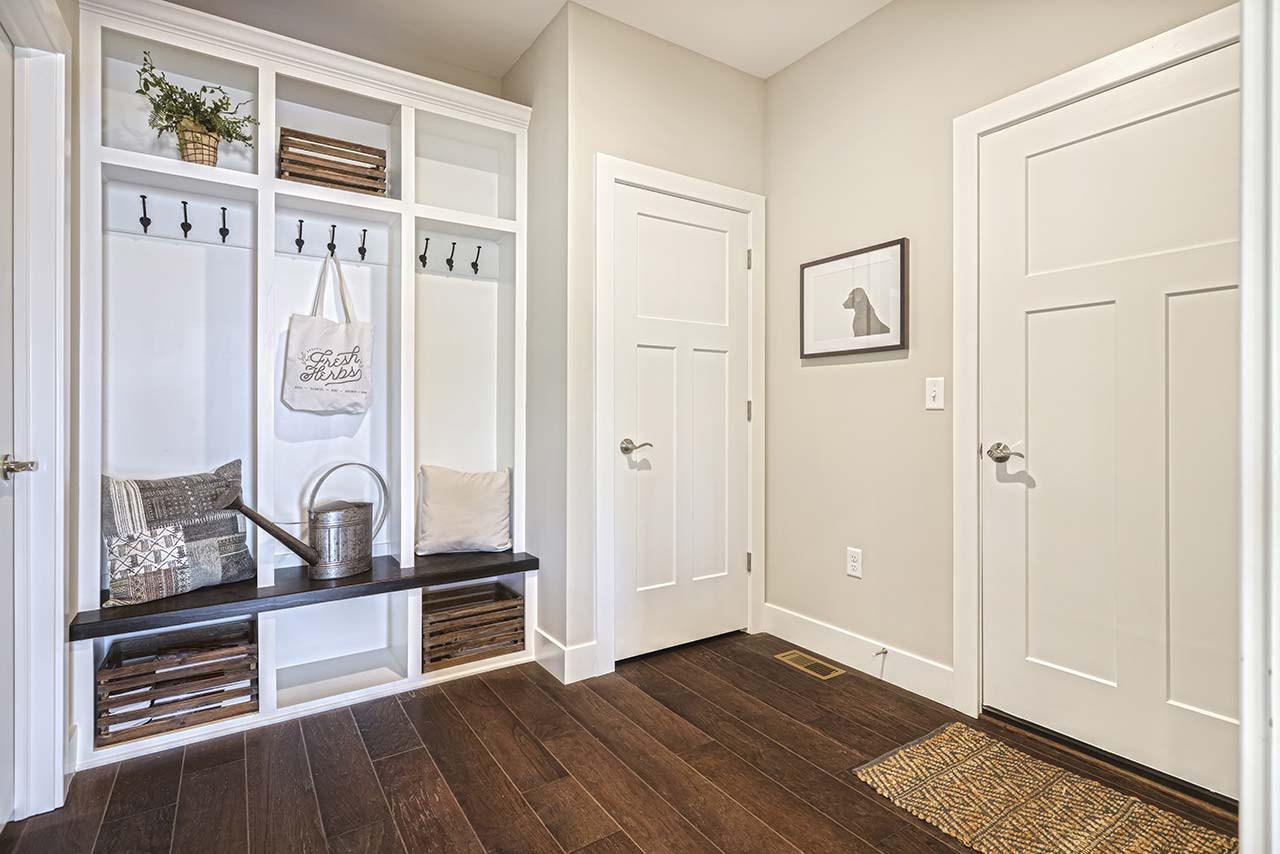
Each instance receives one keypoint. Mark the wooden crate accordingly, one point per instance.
(463, 624)
(314, 159)
(160, 683)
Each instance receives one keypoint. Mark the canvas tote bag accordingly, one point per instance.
(328, 364)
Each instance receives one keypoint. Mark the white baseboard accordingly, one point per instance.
(566, 663)
(898, 667)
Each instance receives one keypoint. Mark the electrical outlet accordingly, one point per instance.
(853, 562)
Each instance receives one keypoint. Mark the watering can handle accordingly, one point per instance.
(382, 485)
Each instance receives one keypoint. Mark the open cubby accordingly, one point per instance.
(335, 113)
(174, 398)
(306, 444)
(124, 112)
(182, 341)
(465, 353)
(338, 648)
(464, 166)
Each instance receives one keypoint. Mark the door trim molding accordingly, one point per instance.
(610, 173)
(41, 275)
(1260, 430)
(1204, 35)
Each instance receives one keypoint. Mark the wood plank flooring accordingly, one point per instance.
(716, 747)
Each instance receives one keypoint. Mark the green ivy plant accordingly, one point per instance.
(210, 108)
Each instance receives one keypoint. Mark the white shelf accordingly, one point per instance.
(170, 174)
(478, 225)
(295, 194)
(331, 678)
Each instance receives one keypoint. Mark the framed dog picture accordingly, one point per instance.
(855, 302)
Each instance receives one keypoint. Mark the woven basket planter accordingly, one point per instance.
(197, 145)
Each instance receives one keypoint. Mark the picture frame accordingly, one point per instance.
(855, 302)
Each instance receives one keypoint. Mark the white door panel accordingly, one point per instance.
(1109, 336)
(680, 377)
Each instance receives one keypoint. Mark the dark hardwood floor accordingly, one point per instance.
(716, 747)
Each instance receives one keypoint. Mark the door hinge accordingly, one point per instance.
(748, 410)
(748, 259)
(748, 561)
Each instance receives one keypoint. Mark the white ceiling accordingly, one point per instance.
(486, 36)
(759, 37)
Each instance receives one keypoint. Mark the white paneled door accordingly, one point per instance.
(680, 397)
(1109, 246)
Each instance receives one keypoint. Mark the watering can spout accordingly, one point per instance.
(232, 500)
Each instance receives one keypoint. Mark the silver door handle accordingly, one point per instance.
(10, 466)
(627, 446)
(1000, 453)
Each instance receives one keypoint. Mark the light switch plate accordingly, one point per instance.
(853, 562)
(935, 393)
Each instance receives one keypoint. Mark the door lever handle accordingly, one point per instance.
(9, 466)
(627, 446)
(1000, 453)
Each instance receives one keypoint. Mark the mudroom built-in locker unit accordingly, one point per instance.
(182, 336)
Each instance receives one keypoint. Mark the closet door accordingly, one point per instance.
(1109, 338)
(680, 386)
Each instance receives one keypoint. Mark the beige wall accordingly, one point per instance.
(541, 80)
(858, 151)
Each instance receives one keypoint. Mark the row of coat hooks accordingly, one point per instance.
(332, 245)
(453, 250)
(185, 225)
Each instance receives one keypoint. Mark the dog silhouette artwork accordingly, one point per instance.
(865, 319)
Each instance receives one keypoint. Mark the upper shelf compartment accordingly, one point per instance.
(125, 113)
(339, 138)
(464, 167)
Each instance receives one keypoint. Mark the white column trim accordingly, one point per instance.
(1260, 429)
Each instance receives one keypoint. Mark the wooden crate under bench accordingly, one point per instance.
(471, 623)
(159, 683)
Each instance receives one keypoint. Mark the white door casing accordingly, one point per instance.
(7, 698)
(680, 384)
(40, 364)
(1109, 258)
(696, 325)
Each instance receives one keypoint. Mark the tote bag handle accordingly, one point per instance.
(345, 296)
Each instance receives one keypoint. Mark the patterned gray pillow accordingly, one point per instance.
(164, 537)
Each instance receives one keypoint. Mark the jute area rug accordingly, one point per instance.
(999, 800)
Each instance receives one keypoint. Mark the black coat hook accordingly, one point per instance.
(331, 246)
(426, 242)
(299, 242)
(364, 232)
(186, 224)
(224, 231)
(449, 260)
(144, 219)
(475, 265)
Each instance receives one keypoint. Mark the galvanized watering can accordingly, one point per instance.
(341, 532)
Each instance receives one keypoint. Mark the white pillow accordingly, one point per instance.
(462, 511)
